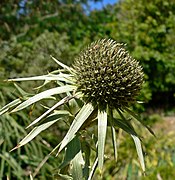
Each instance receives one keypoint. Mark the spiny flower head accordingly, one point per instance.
(107, 75)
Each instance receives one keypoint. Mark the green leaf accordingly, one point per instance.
(34, 133)
(114, 139)
(42, 95)
(77, 162)
(49, 77)
(102, 127)
(61, 64)
(63, 101)
(21, 91)
(139, 151)
(31, 178)
(86, 146)
(138, 119)
(93, 169)
(63, 177)
(73, 148)
(10, 105)
(81, 117)
(114, 142)
(125, 124)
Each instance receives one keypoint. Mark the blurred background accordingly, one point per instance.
(31, 31)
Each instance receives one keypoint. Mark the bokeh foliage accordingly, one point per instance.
(30, 32)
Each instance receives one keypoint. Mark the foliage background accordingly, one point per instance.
(31, 31)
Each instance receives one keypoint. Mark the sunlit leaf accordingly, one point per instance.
(114, 142)
(43, 95)
(49, 77)
(63, 177)
(34, 133)
(81, 117)
(77, 171)
(93, 169)
(102, 127)
(77, 162)
(114, 139)
(61, 64)
(63, 101)
(73, 148)
(10, 105)
(139, 151)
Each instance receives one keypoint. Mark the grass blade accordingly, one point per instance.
(42, 95)
(81, 117)
(139, 151)
(102, 127)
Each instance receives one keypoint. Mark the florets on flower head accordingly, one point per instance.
(107, 75)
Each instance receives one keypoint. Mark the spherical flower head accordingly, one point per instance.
(107, 75)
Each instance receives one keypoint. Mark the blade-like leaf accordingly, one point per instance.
(34, 133)
(102, 127)
(73, 148)
(138, 119)
(78, 161)
(63, 101)
(21, 91)
(31, 177)
(139, 151)
(49, 77)
(114, 142)
(114, 139)
(93, 169)
(81, 117)
(10, 105)
(126, 124)
(63, 177)
(42, 95)
(86, 148)
(61, 64)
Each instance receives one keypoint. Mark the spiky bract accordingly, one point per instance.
(107, 74)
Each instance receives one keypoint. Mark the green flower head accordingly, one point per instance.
(107, 75)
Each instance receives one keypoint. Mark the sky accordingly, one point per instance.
(100, 5)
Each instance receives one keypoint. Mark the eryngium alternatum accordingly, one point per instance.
(107, 75)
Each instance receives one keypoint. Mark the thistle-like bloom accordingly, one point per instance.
(107, 75)
(107, 80)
